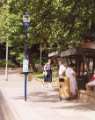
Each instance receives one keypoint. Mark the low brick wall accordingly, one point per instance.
(11, 70)
(87, 96)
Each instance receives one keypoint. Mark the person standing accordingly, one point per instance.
(47, 71)
(71, 75)
(61, 73)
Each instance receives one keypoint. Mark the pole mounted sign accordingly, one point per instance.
(25, 65)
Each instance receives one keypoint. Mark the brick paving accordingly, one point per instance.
(42, 103)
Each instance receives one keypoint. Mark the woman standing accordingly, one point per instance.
(61, 73)
(71, 75)
(47, 72)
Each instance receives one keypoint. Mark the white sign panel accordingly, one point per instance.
(25, 65)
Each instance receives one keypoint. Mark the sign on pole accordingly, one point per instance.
(25, 65)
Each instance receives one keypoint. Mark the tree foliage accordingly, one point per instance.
(57, 24)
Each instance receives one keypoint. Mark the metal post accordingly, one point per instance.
(6, 69)
(25, 86)
(40, 54)
(25, 57)
(26, 22)
(25, 45)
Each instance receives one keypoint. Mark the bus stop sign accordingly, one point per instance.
(25, 65)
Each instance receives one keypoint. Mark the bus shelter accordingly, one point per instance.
(84, 61)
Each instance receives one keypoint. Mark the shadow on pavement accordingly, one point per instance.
(19, 98)
(77, 106)
(42, 97)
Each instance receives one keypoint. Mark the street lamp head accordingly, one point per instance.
(26, 20)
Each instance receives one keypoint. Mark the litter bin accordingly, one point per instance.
(29, 76)
(82, 82)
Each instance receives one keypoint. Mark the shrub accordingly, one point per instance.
(3, 63)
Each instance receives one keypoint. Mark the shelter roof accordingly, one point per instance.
(78, 52)
(53, 54)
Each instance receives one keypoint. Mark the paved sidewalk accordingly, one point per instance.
(42, 103)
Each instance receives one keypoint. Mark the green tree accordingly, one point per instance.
(55, 24)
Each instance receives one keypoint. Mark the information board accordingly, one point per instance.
(25, 65)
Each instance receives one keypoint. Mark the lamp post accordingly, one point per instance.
(26, 22)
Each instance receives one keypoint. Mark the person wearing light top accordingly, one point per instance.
(61, 73)
(47, 71)
(71, 75)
